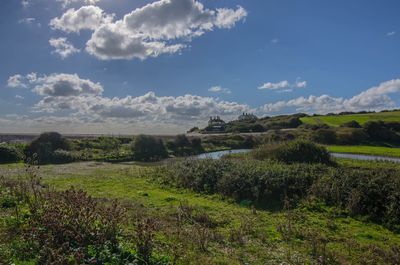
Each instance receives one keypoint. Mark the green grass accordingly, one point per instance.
(365, 150)
(337, 120)
(133, 183)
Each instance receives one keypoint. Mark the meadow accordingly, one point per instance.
(365, 150)
(223, 230)
(337, 120)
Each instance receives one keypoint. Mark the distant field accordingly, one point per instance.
(360, 118)
(365, 150)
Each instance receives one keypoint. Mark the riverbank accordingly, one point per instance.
(365, 150)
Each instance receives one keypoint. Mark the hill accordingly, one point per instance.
(337, 120)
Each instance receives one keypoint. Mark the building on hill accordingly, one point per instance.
(216, 124)
(247, 117)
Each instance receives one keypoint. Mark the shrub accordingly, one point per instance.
(351, 136)
(9, 154)
(62, 156)
(378, 131)
(351, 124)
(258, 182)
(298, 151)
(45, 145)
(374, 193)
(71, 224)
(148, 148)
(324, 136)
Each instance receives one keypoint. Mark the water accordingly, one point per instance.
(366, 157)
(219, 154)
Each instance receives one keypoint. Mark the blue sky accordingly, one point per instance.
(103, 66)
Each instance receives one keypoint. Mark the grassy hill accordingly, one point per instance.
(337, 120)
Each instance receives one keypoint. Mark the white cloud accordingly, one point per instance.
(16, 81)
(283, 86)
(160, 27)
(25, 3)
(275, 41)
(65, 85)
(19, 97)
(392, 33)
(219, 89)
(273, 86)
(63, 47)
(66, 3)
(56, 85)
(84, 18)
(375, 98)
(29, 21)
(300, 84)
(145, 107)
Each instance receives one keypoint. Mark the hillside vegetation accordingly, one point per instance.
(337, 120)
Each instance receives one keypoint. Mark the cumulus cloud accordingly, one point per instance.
(64, 85)
(274, 86)
(63, 47)
(66, 3)
(160, 27)
(283, 86)
(16, 81)
(375, 98)
(147, 107)
(56, 85)
(84, 18)
(219, 89)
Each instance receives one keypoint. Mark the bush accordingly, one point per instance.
(324, 136)
(71, 226)
(62, 156)
(9, 154)
(378, 131)
(298, 151)
(351, 124)
(264, 184)
(351, 136)
(148, 148)
(45, 145)
(374, 193)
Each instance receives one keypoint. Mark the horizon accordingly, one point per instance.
(98, 67)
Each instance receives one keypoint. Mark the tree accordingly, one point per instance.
(148, 148)
(45, 145)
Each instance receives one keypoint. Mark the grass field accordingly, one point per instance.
(263, 244)
(365, 150)
(337, 120)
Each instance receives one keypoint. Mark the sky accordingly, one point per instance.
(162, 67)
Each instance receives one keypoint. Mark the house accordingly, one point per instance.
(216, 124)
(247, 117)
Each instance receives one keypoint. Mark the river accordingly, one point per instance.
(219, 154)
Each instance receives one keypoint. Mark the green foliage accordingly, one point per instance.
(324, 136)
(183, 146)
(361, 118)
(351, 124)
(148, 148)
(9, 154)
(351, 136)
(298, 151)
(264, 184)
(45, 145)
(374, 193)
(378, 131)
